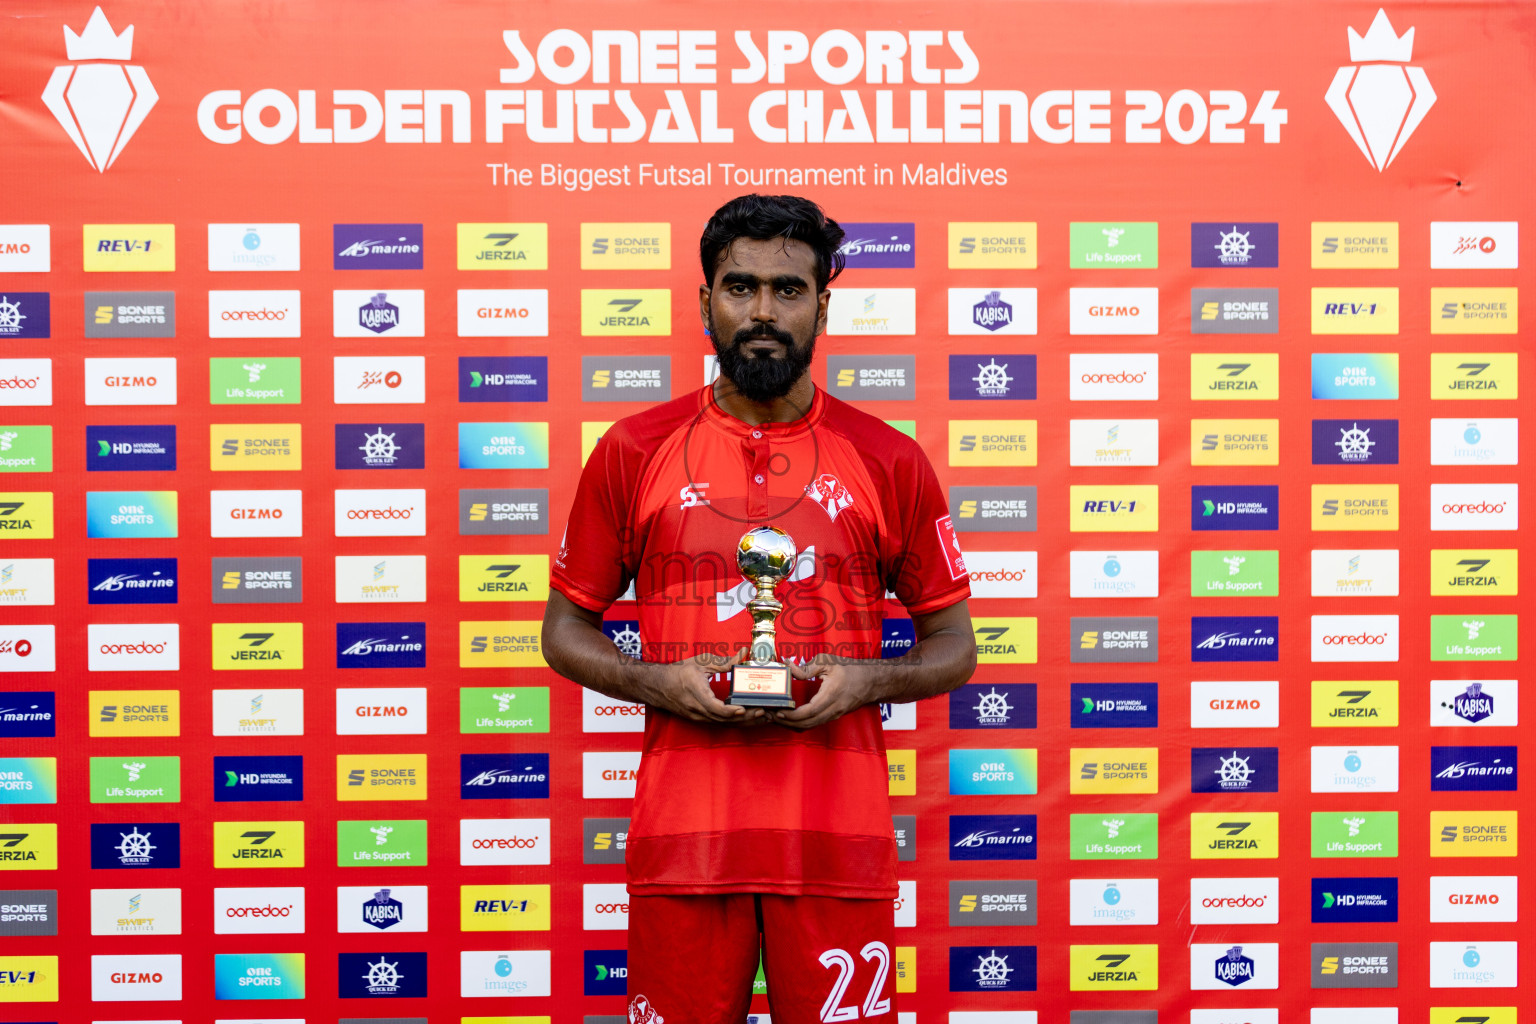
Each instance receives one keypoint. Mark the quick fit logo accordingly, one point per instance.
(136, 845)
(503, 378)
(381, 645)
(1235, 507)
(1354, 442)
(996, 706)
(991, 377)
(380, 445)
(1234, 244)
(376, 246)
(1234, 638)
(1234, 770)
(992, 968)
(879, 245)
(24, 315)
(131, 580)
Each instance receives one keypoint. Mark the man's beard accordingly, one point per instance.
(762, 378)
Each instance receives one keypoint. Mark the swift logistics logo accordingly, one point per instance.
(374, 579)
(872, 311)
(1355, 572)
(1117, 442)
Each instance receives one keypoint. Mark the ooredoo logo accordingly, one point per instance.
(381, 513)
(1003, 573)
(1234, 900)
(600, 713)
(1094, 377)
(258, 911)
(26, 382)
(1355, 637)
(253, 314)
(504, 841)
(133, 647)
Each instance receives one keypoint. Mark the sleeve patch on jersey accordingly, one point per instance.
(949, 543)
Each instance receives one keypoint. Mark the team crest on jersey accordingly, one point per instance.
(828, 492)
(642, 1012)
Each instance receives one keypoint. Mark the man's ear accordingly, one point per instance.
(821, 311)
(704, 292)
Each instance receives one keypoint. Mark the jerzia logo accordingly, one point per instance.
(99, 106)
(1381, 103)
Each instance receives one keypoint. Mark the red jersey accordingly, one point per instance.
(663, 502)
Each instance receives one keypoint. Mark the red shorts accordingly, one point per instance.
(692, 959)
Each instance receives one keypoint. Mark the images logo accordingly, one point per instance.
(1113, 574)
(1480, 442)
(1381, 104)
(1357, 769)
(247, 246)
(99, 106)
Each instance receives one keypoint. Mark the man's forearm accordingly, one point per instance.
(936, 664)
(580, 651)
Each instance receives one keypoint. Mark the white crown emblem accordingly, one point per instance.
(99, 106)
(1380, 104)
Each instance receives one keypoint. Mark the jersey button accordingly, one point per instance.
(757, 433)
(758, 478)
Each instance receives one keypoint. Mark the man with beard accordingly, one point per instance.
(761, 831)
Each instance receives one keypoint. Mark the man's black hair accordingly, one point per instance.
(756, 216)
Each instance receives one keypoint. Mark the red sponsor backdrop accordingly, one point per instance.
(1286, 160)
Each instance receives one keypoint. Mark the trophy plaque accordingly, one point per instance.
(765, 556)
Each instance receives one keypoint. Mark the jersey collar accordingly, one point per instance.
(729, 424)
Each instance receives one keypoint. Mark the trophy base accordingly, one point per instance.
(760, 686)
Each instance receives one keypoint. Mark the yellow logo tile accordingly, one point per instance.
(124, 248)
(503, 246)
(993, 245)
(255, 446)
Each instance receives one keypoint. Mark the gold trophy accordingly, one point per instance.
(765, 556)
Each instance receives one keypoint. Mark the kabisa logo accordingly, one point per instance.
(99, 106)
(377, 246)
(1233, 968)
(378, 314)
(381, 645)
(992, 313)
(381, 911)
(504, 776)
(131, 580)
(1475, 704)
(996, 706)
(1381, 103)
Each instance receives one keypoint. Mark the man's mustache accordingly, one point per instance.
(762, 331)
